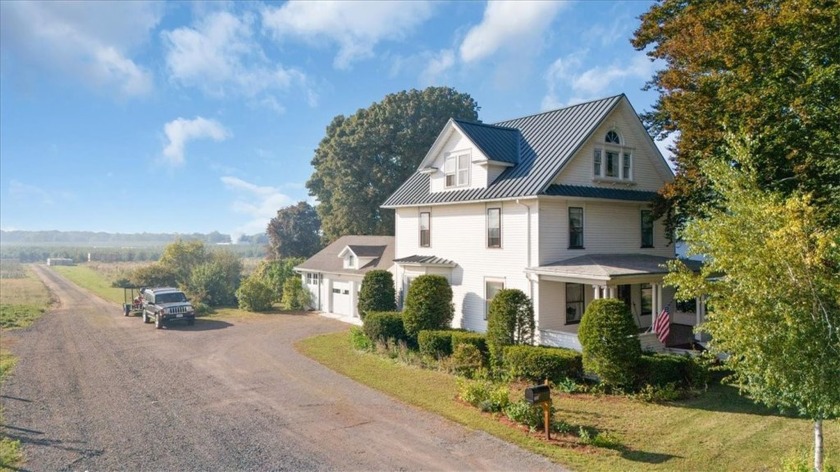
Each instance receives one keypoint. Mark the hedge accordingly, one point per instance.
(662, 369)
(537, 363)
(469, 337)
(384, 326)
(435, 343)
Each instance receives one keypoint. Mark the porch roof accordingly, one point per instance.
(606, 267)
(425, 261)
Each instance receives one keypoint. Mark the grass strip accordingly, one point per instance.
(719, 430)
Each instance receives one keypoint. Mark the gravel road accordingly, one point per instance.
(94, 390)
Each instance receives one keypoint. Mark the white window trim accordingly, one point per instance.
(582, 224)
(487, 227)
(454, 157)
(420, 229)
(602, 147)
(487, 280)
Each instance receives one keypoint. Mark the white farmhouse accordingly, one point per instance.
(555, 204)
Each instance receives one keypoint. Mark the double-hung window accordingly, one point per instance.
(494, 227)
(647, 228)
(613, 160)
(574, 303)
(456, 169)
(575, 228)
(491, 288)
(425, 229)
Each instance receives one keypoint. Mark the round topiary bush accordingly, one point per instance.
(611, 348)
(385, 326)
(510, 320)
(377, 293)
(428, 305)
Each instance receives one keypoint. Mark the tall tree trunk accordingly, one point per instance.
(818, 446)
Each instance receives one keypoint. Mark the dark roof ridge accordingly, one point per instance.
(486, 125)
(561, 108)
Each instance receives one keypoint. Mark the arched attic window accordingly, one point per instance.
(614, 161)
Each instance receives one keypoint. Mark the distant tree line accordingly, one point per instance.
(109, 254)
(96, 238)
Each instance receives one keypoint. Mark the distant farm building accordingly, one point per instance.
(56, 261)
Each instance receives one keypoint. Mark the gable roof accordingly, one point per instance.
(553, 136)
(498, 143)
(381, 248)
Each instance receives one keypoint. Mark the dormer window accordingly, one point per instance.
(349, 261)
(457, 169)
(613, 161)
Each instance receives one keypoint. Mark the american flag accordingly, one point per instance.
(662, 325)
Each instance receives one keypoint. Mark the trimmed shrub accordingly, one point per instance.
(537, 363)
(483, 394)
(385, 326)
(295, 296)
(428, 305)
(469, 337)
(377, 293)
(611, 348)
(254, 295)
(466, 360)
(660, 370)
(435, 343)
(510, 320)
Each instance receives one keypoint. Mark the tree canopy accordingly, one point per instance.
(769, 69)
(772, 278)
(294, 232)
(364, 157)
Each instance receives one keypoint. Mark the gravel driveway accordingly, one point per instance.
(94, 390)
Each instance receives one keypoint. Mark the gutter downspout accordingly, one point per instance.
(528, 264)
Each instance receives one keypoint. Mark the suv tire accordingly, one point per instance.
(145, 317)
(158, 321)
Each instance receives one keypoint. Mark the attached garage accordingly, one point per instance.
(341, 304)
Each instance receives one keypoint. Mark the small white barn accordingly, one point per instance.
(56, 261)
(334, 275)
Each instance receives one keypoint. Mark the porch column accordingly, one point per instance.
(611, 291)
(596, 292)
(657, 302)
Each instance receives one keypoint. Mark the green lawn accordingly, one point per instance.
(88, 278)
(717, 431)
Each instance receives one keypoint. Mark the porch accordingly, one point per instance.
(564, 290)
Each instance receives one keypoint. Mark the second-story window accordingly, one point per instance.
(575, 228)
(456, 169)
(647, 228)
(494, 227)
(425, 229)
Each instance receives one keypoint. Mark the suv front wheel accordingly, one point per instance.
(159, 321)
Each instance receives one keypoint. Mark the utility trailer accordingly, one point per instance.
(132, 304)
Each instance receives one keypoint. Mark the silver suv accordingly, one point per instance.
(166, 304)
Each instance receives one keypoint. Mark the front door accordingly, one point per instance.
(624, 295)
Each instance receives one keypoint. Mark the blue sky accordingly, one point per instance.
(197, 117)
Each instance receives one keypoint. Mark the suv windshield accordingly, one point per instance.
(174, 297)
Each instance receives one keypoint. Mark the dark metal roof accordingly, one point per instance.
(496, 142)
(548, 140)
(425, 260)
(598, 192)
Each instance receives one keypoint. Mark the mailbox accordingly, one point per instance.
(537, 394)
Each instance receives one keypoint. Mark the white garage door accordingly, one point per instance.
(341, 298)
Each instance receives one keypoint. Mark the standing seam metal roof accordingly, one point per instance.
(548, 140)
(496, 142)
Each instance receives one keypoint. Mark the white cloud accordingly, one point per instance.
(259, 203)
(437, 66)
(88, 41)
(565, 78)
(356, 27)
(180, 131)
(220, 56)
(515, 26)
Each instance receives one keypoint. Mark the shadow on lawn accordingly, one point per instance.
(646, 457)
(726, 399)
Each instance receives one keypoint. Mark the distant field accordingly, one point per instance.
(90, 278)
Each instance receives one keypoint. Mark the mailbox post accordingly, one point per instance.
(541, 395)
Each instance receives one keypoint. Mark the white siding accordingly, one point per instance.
(459, 234)
(457, 142)
(649, 171)
(608, 228)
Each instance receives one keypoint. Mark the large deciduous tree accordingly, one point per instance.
(769, 69)
(364, 157)
(294, 232)
(772, 275)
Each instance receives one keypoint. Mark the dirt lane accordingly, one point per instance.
(94, 390)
